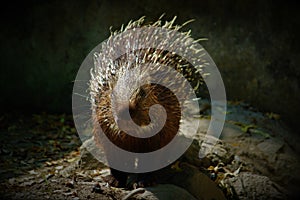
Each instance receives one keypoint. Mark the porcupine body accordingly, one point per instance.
(104, 80)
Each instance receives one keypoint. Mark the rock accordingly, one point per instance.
(195, 182)
(202, 187)
(231, 132)
(252, 186)
(220, 151)
(166, 192)
(203, 125)
(270, 146)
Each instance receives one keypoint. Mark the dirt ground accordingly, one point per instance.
(40, 159)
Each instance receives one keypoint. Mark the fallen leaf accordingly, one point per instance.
(40, 180)
(12, 181)
(59, 167)
(49, 176)
(260, 132)
(28, 183)
(33, 172)
(74, 193)
(176, 167)
(71, 160)
(273, 116)
(70, 184)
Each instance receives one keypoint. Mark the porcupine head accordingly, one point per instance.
(137, 85)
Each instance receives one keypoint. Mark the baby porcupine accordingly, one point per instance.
(112, 69)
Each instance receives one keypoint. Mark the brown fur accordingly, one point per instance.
(139, 110)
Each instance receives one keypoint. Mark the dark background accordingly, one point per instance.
(255, 45)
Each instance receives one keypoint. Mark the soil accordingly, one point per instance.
(40, 158)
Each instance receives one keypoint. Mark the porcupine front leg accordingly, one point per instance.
(118, 178)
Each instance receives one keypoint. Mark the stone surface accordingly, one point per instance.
(195, 182)
(270, 146)
(252, 186)
(230, 132)
(166, 192)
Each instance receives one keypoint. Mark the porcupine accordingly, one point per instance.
(104, 79)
